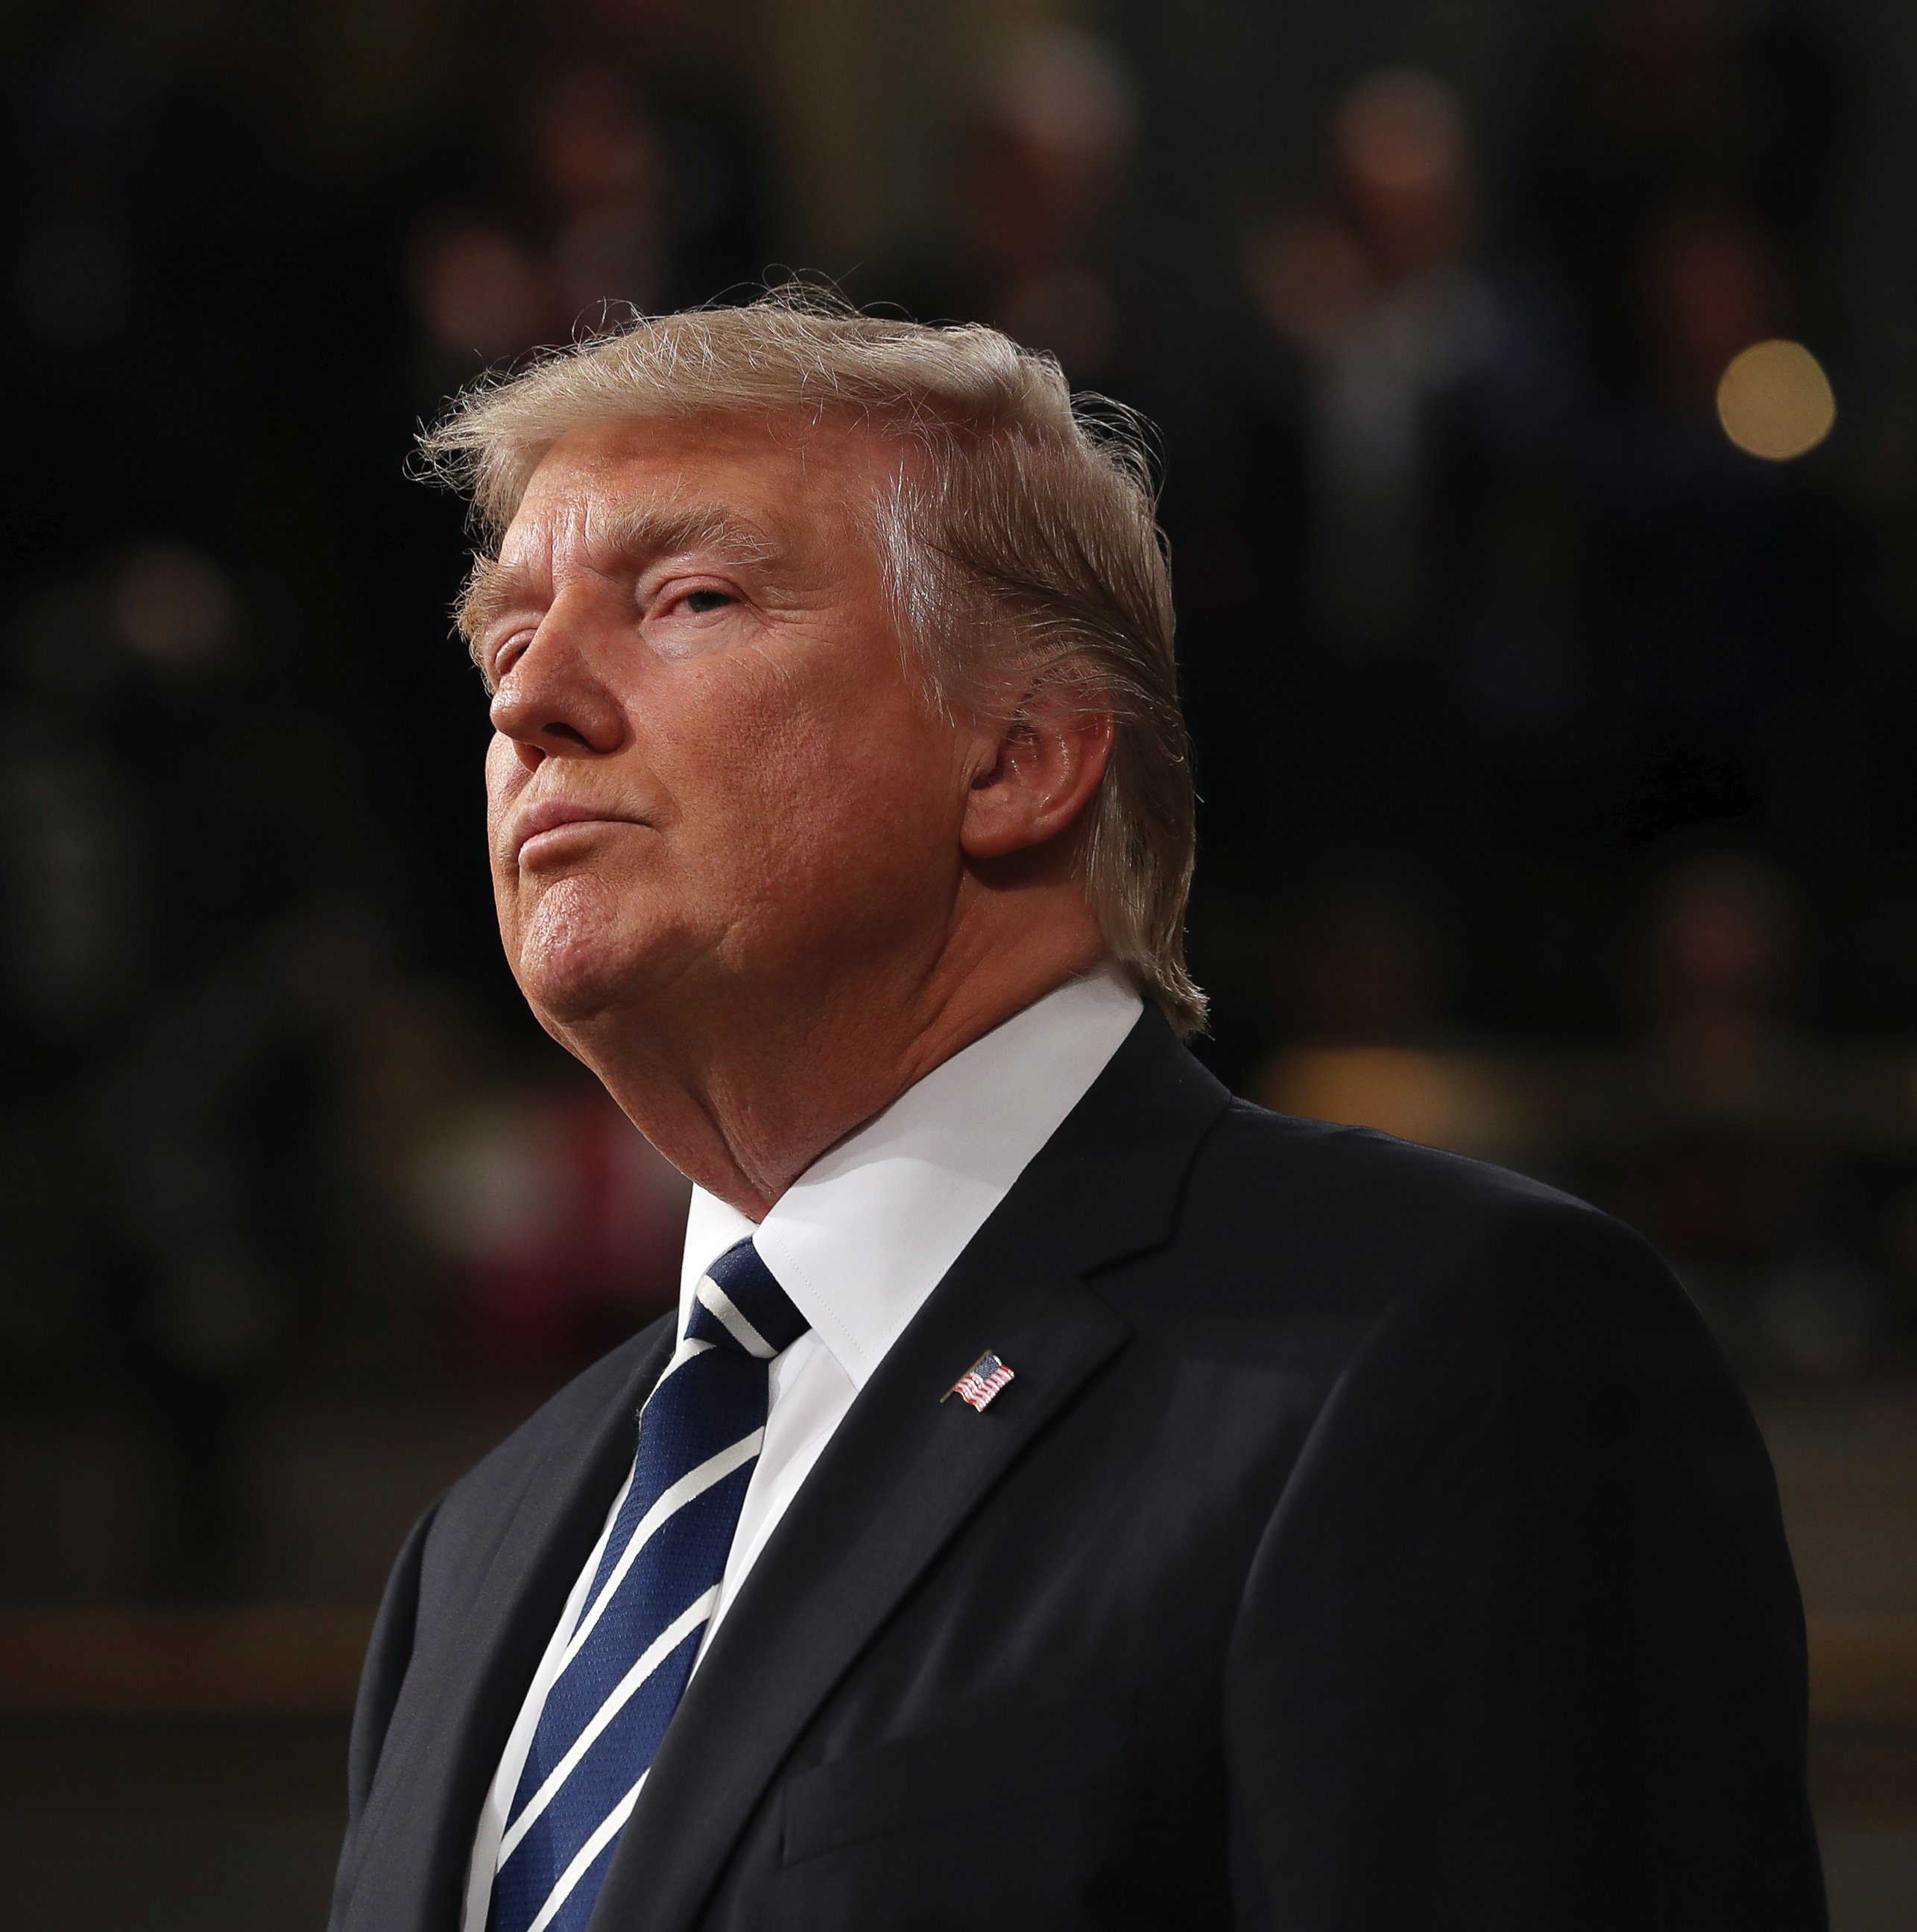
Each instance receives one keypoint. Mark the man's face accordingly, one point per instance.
(712, 771)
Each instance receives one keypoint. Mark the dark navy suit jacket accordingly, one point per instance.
(1370, 1539)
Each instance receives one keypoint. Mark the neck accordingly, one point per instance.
(743, 1090)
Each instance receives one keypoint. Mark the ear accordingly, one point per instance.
(1035, 774)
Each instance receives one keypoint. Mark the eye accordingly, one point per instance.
(699, 602)
(508, 654)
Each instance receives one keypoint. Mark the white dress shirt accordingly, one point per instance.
(858, 1241)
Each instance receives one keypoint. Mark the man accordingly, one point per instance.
(1065, 1496)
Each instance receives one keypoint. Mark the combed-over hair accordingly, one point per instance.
(1018, 531)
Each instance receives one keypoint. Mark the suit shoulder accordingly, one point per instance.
(1351, 1219)
(1261, 1154)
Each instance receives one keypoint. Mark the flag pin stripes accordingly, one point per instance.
(980, 1382)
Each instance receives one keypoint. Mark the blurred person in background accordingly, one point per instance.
(1733, 1140)
(615, 185)
(175, 974)
(1374, 291)
(1684, 182)
(1744, 104)
(1043, 154)
(1055, 1469)
(1378, 595)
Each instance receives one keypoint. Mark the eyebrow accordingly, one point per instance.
(637, 534)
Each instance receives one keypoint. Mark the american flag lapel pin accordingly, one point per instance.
(980, 1382)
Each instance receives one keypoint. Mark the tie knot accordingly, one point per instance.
(739, 1304)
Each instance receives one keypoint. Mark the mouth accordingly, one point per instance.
(547, 824)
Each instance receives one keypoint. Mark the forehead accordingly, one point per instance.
(800, 482)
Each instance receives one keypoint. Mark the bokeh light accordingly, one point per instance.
(1774, 401)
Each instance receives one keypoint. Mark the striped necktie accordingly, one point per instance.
(628, 1659)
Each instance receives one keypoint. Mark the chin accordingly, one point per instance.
(581, 954)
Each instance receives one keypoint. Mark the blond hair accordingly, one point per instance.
(1020, 525)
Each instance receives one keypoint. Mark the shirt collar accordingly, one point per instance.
(866, 1233)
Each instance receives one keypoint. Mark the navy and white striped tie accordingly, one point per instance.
(629, 1656)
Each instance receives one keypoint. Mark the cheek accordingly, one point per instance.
(816, 794)
(505, 779)
(858, 811)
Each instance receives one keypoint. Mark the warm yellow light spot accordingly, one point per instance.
(1466, 1101)
(1774, 401)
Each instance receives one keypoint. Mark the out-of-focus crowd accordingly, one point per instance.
(1551, 743)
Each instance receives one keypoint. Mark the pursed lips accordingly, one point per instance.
(554, 815)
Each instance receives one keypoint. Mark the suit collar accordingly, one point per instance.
(863, 1237)
(904, 1471)
(1108, 1184)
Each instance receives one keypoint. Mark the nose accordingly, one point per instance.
(553, 704)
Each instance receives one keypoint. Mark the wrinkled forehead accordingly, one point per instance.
(795, 480)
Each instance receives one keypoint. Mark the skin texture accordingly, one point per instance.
(789, 887)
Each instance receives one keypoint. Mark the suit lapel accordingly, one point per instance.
(904, 1471)
(417, 1837)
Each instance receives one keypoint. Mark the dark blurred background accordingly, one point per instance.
(1538, 392)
